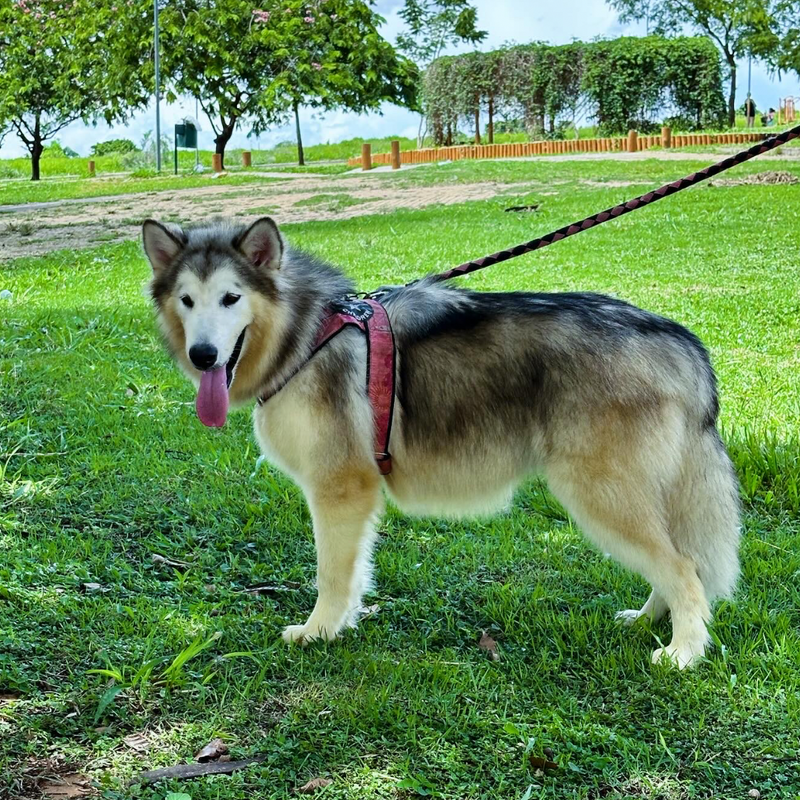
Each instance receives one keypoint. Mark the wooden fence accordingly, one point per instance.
(630, 143)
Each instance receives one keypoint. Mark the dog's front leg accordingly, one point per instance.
(343, 507)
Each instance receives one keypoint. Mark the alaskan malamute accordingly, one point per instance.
(615, 406)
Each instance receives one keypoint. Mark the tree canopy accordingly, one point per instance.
(780, 45)
(261, 64)
(734, 25)
(431, 25)
(622, 83)
(63, 62)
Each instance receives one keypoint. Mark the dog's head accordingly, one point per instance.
(215, 289)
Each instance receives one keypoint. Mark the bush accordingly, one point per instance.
(621, 83)
(113, 146)
(57, 150)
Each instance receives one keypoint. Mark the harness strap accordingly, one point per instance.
(370, 317)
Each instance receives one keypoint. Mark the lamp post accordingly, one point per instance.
(158, 87)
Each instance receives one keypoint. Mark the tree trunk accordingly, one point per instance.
(223, 138)
(36, 154)
(301, 159)
(490, 126)
(36, 147)
(477, 125)
(732, 95)
(438, 131)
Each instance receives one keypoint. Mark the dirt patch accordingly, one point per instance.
(768, 178)
(76, 225)
(612, 184)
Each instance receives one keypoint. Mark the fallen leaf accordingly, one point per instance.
(272, 589)
(314, 785)
(86, 588)
(183, 771)
(369, 611)
(72, 785)
(212, 751)
(157, 558)
(489, 645)
(539, 762)
(137, 742)
(224, 759)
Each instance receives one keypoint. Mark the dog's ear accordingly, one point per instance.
(161, 243)
(262, 244)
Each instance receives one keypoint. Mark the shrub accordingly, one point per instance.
(620, 83)
(113, 146)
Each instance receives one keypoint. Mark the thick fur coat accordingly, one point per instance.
(616, 407)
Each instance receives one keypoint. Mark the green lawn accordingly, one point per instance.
(19, 192)
(104, 464)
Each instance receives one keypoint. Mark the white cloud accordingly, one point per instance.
(505, 21)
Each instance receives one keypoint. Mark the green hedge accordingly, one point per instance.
(621, 83)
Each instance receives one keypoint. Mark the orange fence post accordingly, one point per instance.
(216, 162)
(666, 136)
(366, 156)
(633, 144)
(92, 170)
(247, 158)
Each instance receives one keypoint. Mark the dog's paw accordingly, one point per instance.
(303, 634)
(680, 657)
(628, 616)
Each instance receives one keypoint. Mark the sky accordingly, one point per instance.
(505, 20)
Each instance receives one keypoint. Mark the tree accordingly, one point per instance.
(780, 46)
(330, 56)
(261, 64)
(62, 62)
(210, 51)
(734, 25)
(432, 25)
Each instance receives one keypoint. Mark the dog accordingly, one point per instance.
(615, 406)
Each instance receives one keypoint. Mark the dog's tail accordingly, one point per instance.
(705, 513)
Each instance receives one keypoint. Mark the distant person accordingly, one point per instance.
(750, 112)
(769, 118)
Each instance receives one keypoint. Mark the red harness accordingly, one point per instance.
(370, 317)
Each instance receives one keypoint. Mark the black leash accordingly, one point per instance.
(623, 208)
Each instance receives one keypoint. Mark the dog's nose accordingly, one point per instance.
(203, 355)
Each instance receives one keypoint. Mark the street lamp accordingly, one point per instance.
(158, 87)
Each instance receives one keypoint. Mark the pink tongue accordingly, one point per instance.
(212, 398)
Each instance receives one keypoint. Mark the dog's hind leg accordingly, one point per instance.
(344, 505)
(635, 533)
(654, 609)
(614, 481)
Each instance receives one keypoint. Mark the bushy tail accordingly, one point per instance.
(705, 513)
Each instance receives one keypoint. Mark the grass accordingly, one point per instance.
(103, 464)
(332, 202)
(283, 155)
(17, 192)
(66, 178)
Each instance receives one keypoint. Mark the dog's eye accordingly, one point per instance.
(187, 301)
(230, 299)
